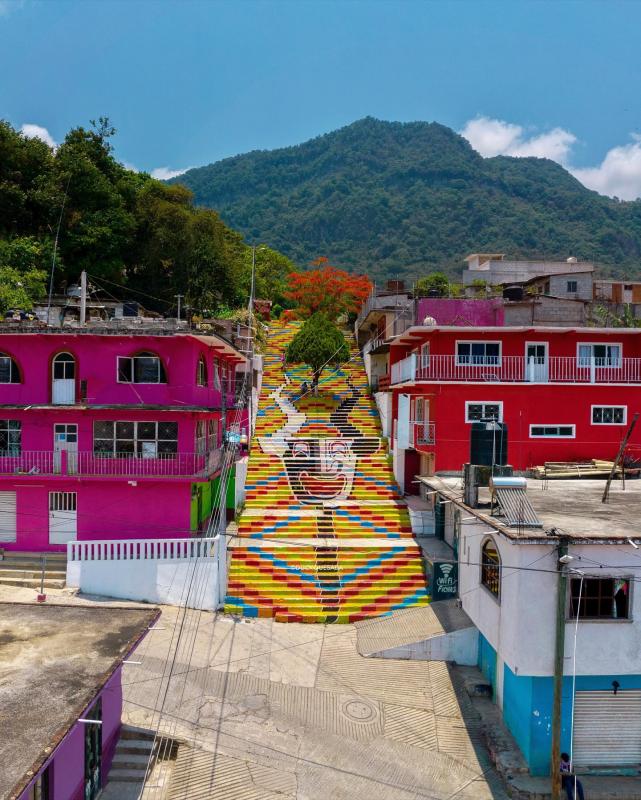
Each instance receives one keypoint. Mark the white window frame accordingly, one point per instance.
(137, 452)
(552, 425)
(603, 405)
(579, 345)
(460, 363)
(468, 403)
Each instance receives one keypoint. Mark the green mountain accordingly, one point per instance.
(398, 199)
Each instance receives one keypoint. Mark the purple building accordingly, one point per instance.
(61, 696)
(110, 434)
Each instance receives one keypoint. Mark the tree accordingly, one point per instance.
(327, 290)
(435, 280)
(19, 290)
(319, 344)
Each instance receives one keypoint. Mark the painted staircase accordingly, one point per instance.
(324, 535)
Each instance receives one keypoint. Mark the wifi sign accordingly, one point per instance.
(445, 581)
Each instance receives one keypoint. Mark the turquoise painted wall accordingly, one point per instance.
(487, 661)
(527, 710)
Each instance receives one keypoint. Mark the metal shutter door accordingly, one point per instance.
(607, 728)
(7, 516)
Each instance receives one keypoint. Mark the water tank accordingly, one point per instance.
(513, 293)
(488, 443)
(130, 308)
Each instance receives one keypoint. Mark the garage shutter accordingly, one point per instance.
(7, 516)
(607, 728)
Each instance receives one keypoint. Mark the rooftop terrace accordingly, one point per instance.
(54, 660)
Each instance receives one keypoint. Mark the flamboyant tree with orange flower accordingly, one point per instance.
(326, 289)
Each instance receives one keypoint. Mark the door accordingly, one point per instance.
(63, 523)
(536, 362)
(403, 423)
(7, 516)
(63, 389)
(93, 752)
(607, 728)
(65, 440)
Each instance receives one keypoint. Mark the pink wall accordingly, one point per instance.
(460, 311)
(105, 510)
(97, 359)
(67, 762)
(38, 424)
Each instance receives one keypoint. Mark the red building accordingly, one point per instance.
(565, 394)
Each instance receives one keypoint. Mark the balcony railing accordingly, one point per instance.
(514, 369)
(120, 465)
(423, 434)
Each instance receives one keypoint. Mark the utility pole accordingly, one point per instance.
(559, 660)
(250, 323)
(83, 297)
(179, 297)
(626, 439)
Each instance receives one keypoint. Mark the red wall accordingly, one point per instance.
(525, 405)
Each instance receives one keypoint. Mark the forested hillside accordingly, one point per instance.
(398, 199)
(133, 233)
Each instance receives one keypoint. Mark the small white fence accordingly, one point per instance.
(191, 572)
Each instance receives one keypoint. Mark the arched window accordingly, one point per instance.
(491, 567)
(201, 372)
(64, 367)
(145, 367)
(9, 372)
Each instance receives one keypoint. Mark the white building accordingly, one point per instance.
(508, 579)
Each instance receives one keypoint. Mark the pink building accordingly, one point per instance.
(110, 435)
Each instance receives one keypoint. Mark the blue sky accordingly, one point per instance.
(190, 82)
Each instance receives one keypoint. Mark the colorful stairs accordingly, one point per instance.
(324, 535)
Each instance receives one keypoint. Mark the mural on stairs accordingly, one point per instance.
(329, 537)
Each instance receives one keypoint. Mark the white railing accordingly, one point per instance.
(191, 572)
(127, 465)
(141, 549)
(514, 369)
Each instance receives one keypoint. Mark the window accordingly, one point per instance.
(201, 372)
(212, 434)
(64, 367)
(425, 354)
(141, 368)
(609, 415)
(39, 790)
(483, 410)
(478, 353)
(600, 598)
(201, 436)
(552, 431)
(9, 372)
(143, 439)
(572, 286)
(599, 355)
(216, 369)
(491, 568)
(10, 437)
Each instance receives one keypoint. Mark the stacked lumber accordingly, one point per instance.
(594, 468)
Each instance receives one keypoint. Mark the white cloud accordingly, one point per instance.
(165, 173)
(494, 137)
(618, 175)
(37, 132)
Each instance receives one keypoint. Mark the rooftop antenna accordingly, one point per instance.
(55, 247)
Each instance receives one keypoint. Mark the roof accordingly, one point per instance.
(486, 256)
(54, 659)
(572, 507)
